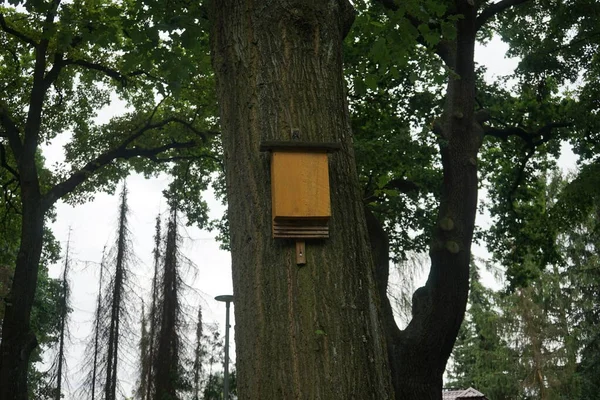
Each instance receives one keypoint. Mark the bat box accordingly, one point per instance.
(300, 194)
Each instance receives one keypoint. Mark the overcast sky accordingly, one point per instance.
(93, 224)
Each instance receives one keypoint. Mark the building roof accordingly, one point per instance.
(469, 393)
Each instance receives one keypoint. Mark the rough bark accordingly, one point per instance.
(301, 332)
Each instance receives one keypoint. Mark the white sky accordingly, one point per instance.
(93, 224)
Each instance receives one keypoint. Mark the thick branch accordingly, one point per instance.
(78, 177)
(494, 9)
(11, 31)
(543, 134)
(505, 133)
(122, 152)
(112, 73)
(149, 126)
(162, 160)
(40, 87)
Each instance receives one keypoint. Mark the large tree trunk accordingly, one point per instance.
(419, 353)
(18, 340)
(301, 332)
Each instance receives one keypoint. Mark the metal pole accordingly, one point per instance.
(226, 377)
(227, 298)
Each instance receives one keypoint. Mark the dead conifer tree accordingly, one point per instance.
(116, 299)
(144, 356)
(199, 355)
(93, 357)
(63, 309)
(169, 372)
(167, 362)
(155, 303)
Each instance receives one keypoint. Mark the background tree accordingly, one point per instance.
(63, 330)
(406, 48)
(483, 357)
(117, 300)
(168, 372)
(60, 62)
(156, 304)
(93, 347)
(543, 327)
(199, 356)
(145, 360)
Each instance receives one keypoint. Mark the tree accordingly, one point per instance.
(93, 347)
(168, 371)
(199, 356)
(213, 353)
(60, 62)
(64, 310)
(117, 300)
(312, 331)
(534, 341)
(145, 360)
(521, 128)
(482, 357)
(532, 120)
(155, 305)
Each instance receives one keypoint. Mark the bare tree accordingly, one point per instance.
(145, 363)
(168, 366)
(199, 356)
(64, 313)
(153, 314)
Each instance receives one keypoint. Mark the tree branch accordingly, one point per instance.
(149, 126)
(402, 185)
(67, 186)
(544, 133)
(15, 33)
(162, 160)
(54, 72)
(505, 133)
(494, 9)
(4, 163)
(112, 73)
(389, 4)
(11, 129)
(8, 196)
(40, 87)
(442, 48)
